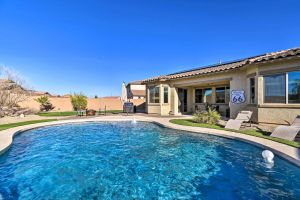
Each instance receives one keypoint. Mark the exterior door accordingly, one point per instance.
(182, 97)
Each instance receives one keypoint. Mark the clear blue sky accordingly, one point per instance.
(93, 45)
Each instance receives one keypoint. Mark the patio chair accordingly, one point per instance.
(288, 132)
(242, 117)
(81, 113)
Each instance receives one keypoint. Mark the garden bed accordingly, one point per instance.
(253, 132)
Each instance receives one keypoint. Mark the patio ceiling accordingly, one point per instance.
(208, 83)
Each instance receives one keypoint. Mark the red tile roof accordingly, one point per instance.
(227, 66)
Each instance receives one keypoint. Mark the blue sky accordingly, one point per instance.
(93, 45)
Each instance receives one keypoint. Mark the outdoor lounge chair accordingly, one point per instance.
(242, 117)
(288, 132)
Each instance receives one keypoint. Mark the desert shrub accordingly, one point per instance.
(45, 104)
(79, 101)
(12, 91)
(208, 117)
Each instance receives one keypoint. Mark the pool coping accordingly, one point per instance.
(289, 153)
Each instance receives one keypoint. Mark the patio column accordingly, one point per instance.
(190, 96)
(238, 82)
(193, 100)
(174, 100)
(260, 89)
(213, 95)
(161, 94)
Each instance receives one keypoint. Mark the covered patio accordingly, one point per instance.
(198, 96)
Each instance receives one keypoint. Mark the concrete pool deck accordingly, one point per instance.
(290, 153)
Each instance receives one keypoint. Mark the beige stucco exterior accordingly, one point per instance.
(237, 79)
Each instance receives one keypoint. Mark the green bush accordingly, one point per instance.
(45, 104)
(208, 117)
(79, 101)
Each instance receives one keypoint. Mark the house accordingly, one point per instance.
(135, 90)
(268, 85)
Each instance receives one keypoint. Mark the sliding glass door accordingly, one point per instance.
(182, 100)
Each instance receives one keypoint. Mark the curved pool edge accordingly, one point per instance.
(289, 153)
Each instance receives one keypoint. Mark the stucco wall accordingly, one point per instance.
(254, 109)
(153, 108)
(165, 109)
(277, 115)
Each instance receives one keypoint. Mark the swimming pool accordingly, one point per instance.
(121, 160)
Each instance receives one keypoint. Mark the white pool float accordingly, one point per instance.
(268, 156)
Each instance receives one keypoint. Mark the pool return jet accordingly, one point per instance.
(133, 121)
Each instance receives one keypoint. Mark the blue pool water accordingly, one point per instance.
(120, 160)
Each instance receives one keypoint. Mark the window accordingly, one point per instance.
(166, 95)
(154, 94)
(283, 88)
(252, 90)
(223, 94)
(198, 96)
(275, 88)
(220, 95)
(294, 87)
(207, 95)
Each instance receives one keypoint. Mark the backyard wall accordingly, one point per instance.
(64, 103)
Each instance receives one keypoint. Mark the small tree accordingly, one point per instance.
(79, 101)
(45, 104)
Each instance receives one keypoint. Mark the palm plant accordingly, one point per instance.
(210, 116)
(45, 104)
